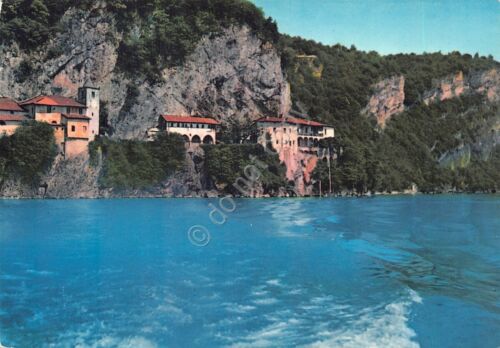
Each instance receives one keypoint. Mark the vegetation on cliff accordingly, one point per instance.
(409, 149)
(132, 164)
(28, 153)
(156, 33)
(170, 29)
(401, 155)
(333, 88)
(225, 165)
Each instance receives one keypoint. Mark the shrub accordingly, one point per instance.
(132, 164)
(226, 163)
(29, 152)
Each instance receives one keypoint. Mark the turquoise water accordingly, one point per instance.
(389, 271)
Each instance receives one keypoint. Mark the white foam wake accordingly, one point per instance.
(388, 328)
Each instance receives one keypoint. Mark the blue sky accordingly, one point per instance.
(391, 26)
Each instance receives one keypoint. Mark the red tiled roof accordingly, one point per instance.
(189, 119)
(19, 118)
(291, 120)
(7, 104)
(76, 117)
(52, 100)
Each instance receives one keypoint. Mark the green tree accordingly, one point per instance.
(32, 151)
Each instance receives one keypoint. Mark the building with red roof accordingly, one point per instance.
(9, 123)
(195, 130)
(292, 132)
(75, 121)
(51, 104)
(10, 106)
(11, 116)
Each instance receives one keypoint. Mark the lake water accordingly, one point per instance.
(386, 272)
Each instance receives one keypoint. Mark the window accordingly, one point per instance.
(284, 130)
(274, 129)
(68, 110)
(277, 142)
(93, 94)
(72, 128)
(85, 128)
(80, 111)
(49, 109)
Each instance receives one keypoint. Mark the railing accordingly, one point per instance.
(310, 134)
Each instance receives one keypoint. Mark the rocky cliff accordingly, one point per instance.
(230, 76)
(299, 168)
(483, 82)
(387, 99)
(78, 178)
(233, 76)
(388, 95)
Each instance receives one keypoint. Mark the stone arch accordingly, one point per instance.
(196, 139)
(316, 142)
(208, 140)
(186, 139)
(310, 142)
(301, 142)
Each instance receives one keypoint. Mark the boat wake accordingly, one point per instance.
(387, 328)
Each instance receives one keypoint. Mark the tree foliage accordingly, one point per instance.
(400, 155)
(412, 149)
(156, 33)
(28, 153)
(132, 164)
(225, 164)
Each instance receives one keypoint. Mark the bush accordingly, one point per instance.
(226, 163)
(132, 164)
(28, 153)
(170, 30)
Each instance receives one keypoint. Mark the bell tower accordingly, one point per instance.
(88, 95)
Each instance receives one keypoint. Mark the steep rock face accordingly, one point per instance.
(77, 178)
(482, 148)
(450, 87)
(387, 99)
(483, 82)
(73, 178)
(299, 168)
(231, 76)
(388, 95)
(85, 49)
